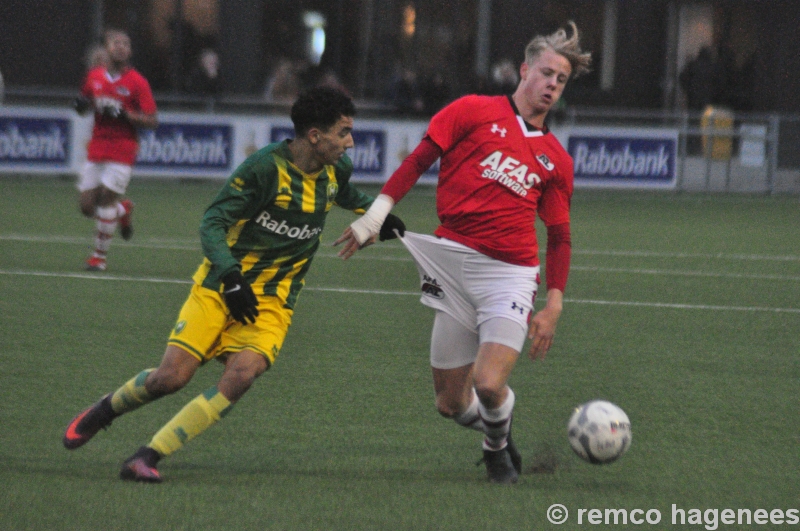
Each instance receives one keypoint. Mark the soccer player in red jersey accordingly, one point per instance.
(122, 102)
(500, 166)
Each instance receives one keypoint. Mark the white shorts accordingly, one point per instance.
(470, 286)
(113, 175)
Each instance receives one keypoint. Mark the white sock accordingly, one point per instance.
(471, 418)
(497, 423)
(106, 223)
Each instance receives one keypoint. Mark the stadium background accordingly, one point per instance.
(640, 49)
(639, 46)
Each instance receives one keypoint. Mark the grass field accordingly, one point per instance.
(682, 309)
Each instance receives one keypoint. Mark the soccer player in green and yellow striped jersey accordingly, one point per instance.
(259, 236)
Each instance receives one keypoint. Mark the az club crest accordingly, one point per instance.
(431, 287)
(545, 161)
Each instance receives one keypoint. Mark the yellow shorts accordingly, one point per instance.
(207, 331)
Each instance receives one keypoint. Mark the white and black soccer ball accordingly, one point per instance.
(599, 432)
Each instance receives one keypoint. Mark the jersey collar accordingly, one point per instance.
(528, 130)
(114, 78)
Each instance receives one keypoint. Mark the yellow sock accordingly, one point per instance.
(131, 395)
(195, 417)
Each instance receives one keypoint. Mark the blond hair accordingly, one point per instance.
(570, 48)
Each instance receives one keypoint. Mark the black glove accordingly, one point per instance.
(389, 224)
(81, 104)
(239, 297)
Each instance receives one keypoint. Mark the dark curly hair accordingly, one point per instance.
(320, 107)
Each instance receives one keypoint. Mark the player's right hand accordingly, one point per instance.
(239, 297)
(81, 104)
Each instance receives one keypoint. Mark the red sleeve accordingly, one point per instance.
(559, 253)
(411, 169)
(146, 102)
(554, 204)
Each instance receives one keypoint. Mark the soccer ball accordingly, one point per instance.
(599, 432)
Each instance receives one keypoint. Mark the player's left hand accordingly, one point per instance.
(239, 297)
(542, 329)
(351, 245)
(390, 224)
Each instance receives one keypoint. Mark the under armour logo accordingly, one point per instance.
(515, 306)
(497, 129)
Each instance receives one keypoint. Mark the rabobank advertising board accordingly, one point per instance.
(624, 158)
(186, 147)
(30, 141)
(368, 154)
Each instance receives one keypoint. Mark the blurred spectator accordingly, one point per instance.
(697, 80)
(328, 78)
(746, 74)
(713, 78)
(436, 93)
(285, 83)
(479, 84)
(732, 84)
(505, 78)
(405, 92)
(96, 56)
(2, 88)
(204, 75)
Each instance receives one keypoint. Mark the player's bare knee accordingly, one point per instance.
(447, 407)
(106, 197)
(490, 393)
(240, 373)
(87, 210)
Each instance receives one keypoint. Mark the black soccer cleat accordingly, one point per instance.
(88, 423)
(141, 466)
(499, 466)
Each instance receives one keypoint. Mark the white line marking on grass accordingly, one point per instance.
(93, 276)
(123, 278)
(153, 243)
(186, 244)
(655, 254)
(686, 306)
(678, 272)
(364, 291)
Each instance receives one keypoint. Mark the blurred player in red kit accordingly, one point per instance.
(122, 102)
(500, 167)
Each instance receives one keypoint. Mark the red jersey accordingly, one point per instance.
(113, 139)
(496, 173)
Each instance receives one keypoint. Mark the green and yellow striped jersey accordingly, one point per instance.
(268, 217)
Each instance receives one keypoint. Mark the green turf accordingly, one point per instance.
(683, 309)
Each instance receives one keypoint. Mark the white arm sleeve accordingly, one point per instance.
(370, 223)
